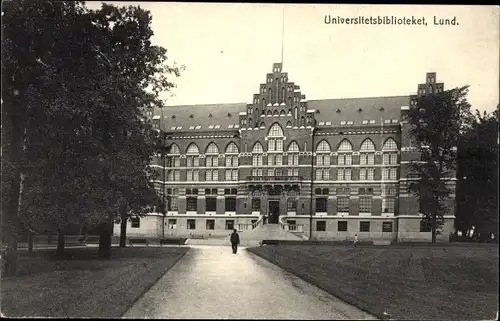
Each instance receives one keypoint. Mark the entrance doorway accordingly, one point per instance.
(274, 212)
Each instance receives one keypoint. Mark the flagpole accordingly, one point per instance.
(282, 34)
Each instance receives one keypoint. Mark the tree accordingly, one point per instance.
(477, 191)
(74, 92)
(435, 124)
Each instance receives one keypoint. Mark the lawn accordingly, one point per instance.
(84, 285)
(400, 282)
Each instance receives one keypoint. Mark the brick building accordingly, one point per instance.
(343, 160)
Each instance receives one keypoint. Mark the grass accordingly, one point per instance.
(400, 282)
(84, 285)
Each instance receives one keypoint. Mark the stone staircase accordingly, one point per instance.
(252, 237)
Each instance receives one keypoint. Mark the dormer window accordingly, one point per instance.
(342, 122)
(173, 128)
(372, 121)
(338, 111)
(350, 122)
(387, 121)
(191, 127)
(229, 114)
(173, 116)
(210, 126)
(360, 110)
(382, 109)
(395, 121)
(191, 116)
(328, 123)
(198, 127)
(217, 126)
(364, 122)
(210, 115)
(321, 123)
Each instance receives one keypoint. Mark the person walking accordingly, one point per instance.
(235, 241)
(356, 240)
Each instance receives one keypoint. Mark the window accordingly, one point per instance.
(211, 204)
(365, 204)
(344, 174)
(342, 226)
(367, 159)
(230, 204)
(345, 159)
(321, 226)
(135, 222)
(191, 224)
(192, 149)
(172, 224)
(234, 175)
(321, 205)
(210, 225)
(292, 205)
(390, 144)
(425, 226)
(192, 204)
(232, 149)
(229, 224)
(364, 226)
(323, 146)
(257, 148)
(276, 131)
(386, 226)
(256, 204)
(228, 175)
(293, 159)
(393, 173)
(342, 204)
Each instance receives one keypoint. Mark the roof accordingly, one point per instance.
(328, 112)
(358, 110)
(186, 118)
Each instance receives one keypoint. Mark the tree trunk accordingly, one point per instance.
(433, 228)
(30, 242)
(123, 226)
(60, 243)
(105, 233)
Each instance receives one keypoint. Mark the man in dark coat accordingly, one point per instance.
(235, 241)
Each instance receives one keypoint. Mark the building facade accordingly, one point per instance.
(340, 164)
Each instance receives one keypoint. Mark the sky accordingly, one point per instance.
(227, 49)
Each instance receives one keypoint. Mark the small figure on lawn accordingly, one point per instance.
(356, 240)
(235, 241)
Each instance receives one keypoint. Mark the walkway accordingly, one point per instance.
(211, 282)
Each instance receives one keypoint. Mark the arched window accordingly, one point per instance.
(367, 158)
(263, 105)
(295, 111)
(288, 124)
(174, 150)
(231, 148)
(389, 160)
(345, 146)
(390, 145)
(257, 148)
(262, 125)
(174, 159)
(344, 159)
(283, 94)
(192, 149)
(257, 112)
(212, 156)
(282, 112)
(293, 147)
(269, 113)
(192, 159)
(275, 131)
(212, 149)
(302, 121)
(367, 145)
(323, 146)
(293, 155)
(276, 113)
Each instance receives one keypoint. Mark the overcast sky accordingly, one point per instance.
(228, 49)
